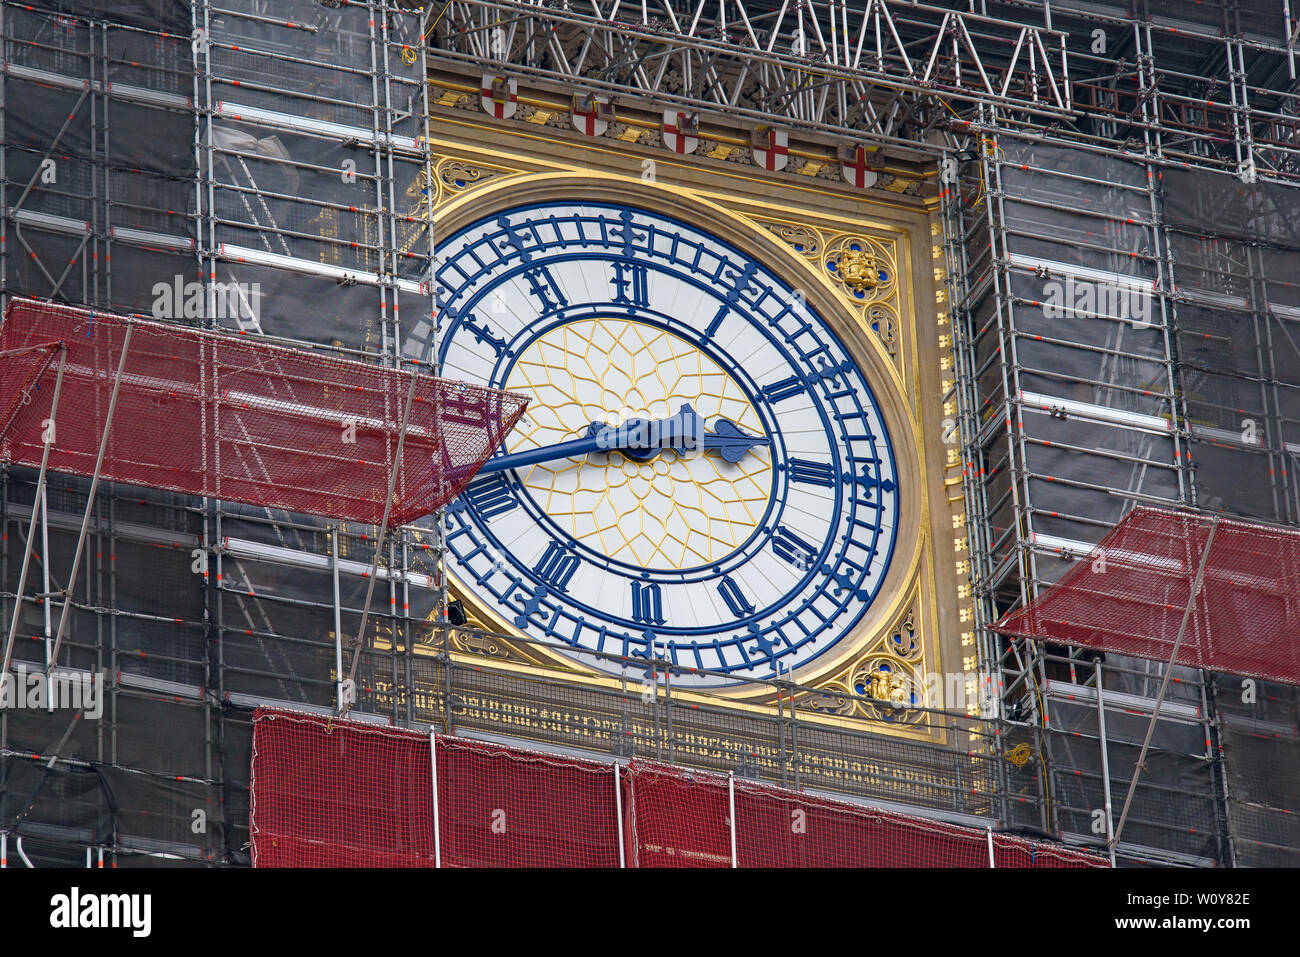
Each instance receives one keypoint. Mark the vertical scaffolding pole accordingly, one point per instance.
(383, 529)
(618, 815)
(338, 621)
(1105, 765)
(90, 498)
(731, 804)
(48, 622)
(433, 766)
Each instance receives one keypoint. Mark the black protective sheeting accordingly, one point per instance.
(165, 15)
(1237, 253)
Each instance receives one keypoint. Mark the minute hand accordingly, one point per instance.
(641, 440)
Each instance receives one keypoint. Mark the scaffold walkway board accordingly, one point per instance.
(232, 418)
(1136, 594)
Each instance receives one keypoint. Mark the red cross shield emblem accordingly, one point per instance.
(771, 148)
(853, 164)
(591, 115)
(499, 96)
(680, 131)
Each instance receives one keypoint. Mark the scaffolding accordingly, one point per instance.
(250, 170)
(1207, 85)
(162, 157)
(224, 417)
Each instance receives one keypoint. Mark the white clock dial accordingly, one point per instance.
(751, 559)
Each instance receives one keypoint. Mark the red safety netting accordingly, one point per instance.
(1130, 594)
(677, 817)
(331, 793)
(341, 793)
(505, 807)
(778, 828)
(217, 415)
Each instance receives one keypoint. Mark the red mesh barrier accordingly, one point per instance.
(504, 807)
(339, 794)
(1130, 593)
(779, 828)
(678, 818)
(217, 415)
(1017, 852)
(21, 368)
(788, 829)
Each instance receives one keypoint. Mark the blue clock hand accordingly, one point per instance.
(641, 440)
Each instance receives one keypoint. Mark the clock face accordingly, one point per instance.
(609, 314)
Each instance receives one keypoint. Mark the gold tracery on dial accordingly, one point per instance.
(676, 511)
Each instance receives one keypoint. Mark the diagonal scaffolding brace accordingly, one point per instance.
(1164, 684)
(37, 502)
(90, 499)
(379, 546)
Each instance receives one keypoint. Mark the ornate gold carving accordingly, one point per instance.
(457, 175)
(887, 681)
(827, 703)
(866, 273)
(863, 267)
(804, 240)
(892, 690)
(490, 645)
(882, 322)
(903, 642)
(858, 269)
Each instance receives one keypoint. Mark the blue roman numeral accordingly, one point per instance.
(793, 549)
(811, 473)
(783, 389)
(647, 603)
(734, 597)
(630, 284)
(545, 289)
(483, 334)
(490, 498)
(717, 320)
(556, 566)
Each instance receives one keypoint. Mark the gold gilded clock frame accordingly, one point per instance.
(896, 330)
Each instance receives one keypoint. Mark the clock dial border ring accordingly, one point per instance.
(733, 228)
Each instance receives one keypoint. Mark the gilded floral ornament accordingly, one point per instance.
(859, 270)
(904, 642)
(882, 322)
(892, 688)
(863, 267)
(455, 176)
(804, 240)
(827, 701)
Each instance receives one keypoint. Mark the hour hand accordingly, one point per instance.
(641, 440)
(731, 441)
